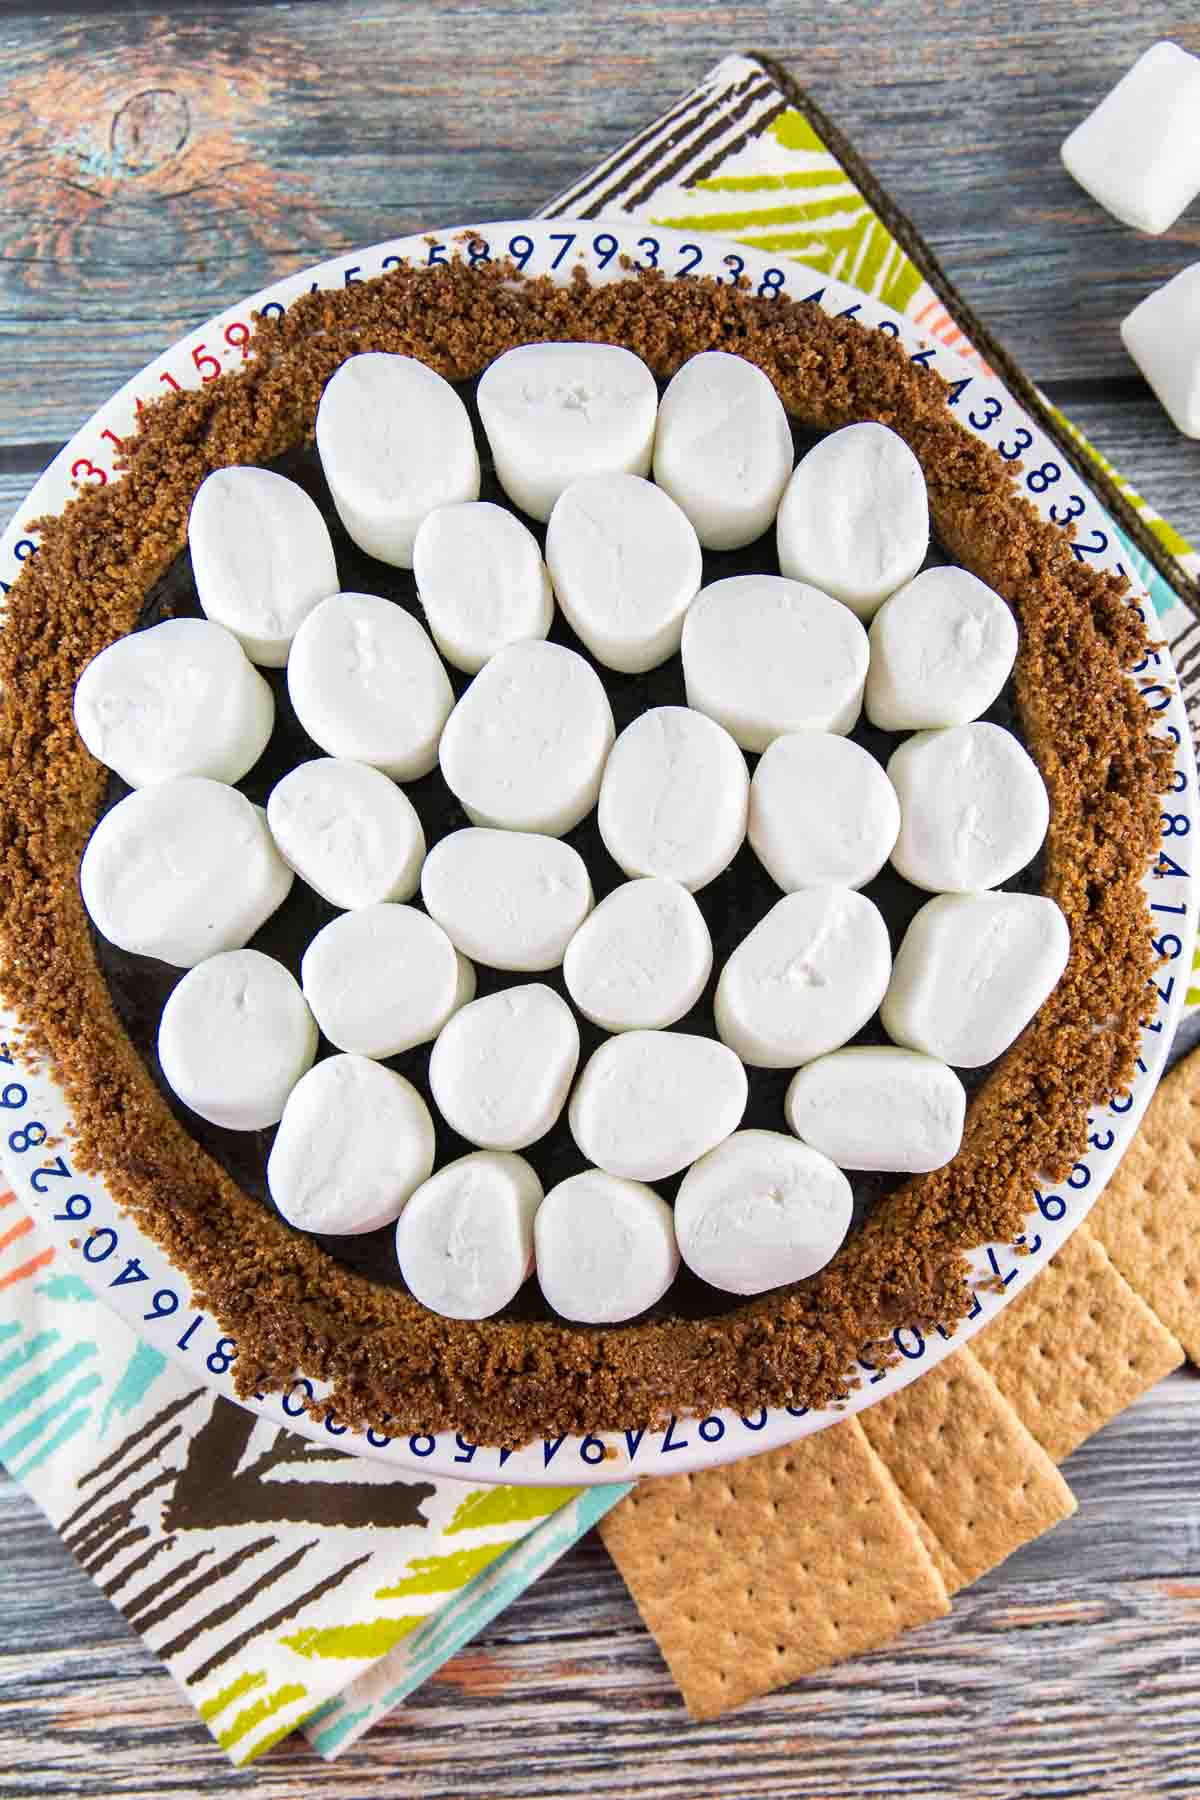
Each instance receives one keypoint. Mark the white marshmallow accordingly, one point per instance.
(761, 1211)
(261, 556)
(354, 1142)
(1138, 152)
(181, 871)
(805, 979)
(1162, 334)
(605, 1248)
(764, 656)
(464, 1241)
(554, 412)
(380, 979)
(822, 812)
(626, 566)
(502, 1067)
(234, 1038)
(368, 685)
(641, 960)
(674, 797)
(649, 1102)
(879, 1108)
(972, 971)
(482, 582)
(178, 699)
(510, 899)
(941, 650)
(395, 441)
(526, 745)
(855, 518)
(348, 831)
(973, 808)
(723, 448)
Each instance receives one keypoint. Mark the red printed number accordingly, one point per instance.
(83, 470)
(204, 362)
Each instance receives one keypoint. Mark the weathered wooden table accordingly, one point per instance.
(156, 164)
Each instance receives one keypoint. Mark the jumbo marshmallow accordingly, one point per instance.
(723, 448)
(464, 1241)
(605, 1248)
(854, 520)
(626, 565)
(395, 442)
(674, 798)
(805, 980)
(181, 871)
(508, 899)
(381, 979)
(760, 1211)
(764, 656)
(525, 748)
(1138, 152)
(642, 959)
(261, 556)
(367, 684)
(556, 412)
(234, 1038)
(355, 1141)
(502, 1067)
(482, 582)
(1162, 334)
(348, 831)
(181, 698)
(879, 1108)
(971, 972)
(973, 808)
(649, 1102)
(941, 651)
(822, 812)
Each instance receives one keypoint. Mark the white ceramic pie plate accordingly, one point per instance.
(128, 1271)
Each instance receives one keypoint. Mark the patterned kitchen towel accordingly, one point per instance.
(280, 1580)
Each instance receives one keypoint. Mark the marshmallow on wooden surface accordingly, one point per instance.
(649, 1102)
(348, 831)
(508, 899)
(674, 798)
(973, 808)
(368, 685)
(555, 412)
(723, 448)
(764, 656)
(380, 979)
(178, 699)
(641, 960)
(1138, 151)
(626, 565)
(464, 1241)
(261, 557)
(395, 441)
(234, 1038)
(854, 520)
(879, 1108)
(482, 582)
(181, 871)
(822, 812)
(502, 1067)
(805, 979)
(354, 1142)
(941, 651)
(526, 745)
(760, 1211)
(605, 1248)
(1162, 334)
(971, 972)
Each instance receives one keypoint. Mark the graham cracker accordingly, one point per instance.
(967, 1466)
(1148, 1217)
(1075, 1347)
(755, 1574)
